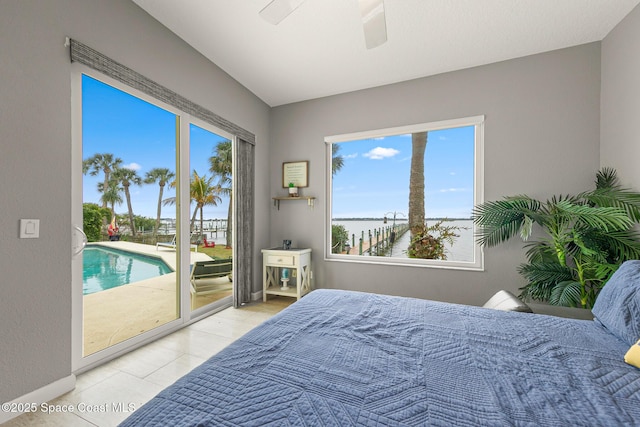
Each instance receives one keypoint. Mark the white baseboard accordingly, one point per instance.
(39, 396)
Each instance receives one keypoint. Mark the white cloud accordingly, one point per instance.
(350, 156)
(380, 153)
(133, 166)
(452, 190)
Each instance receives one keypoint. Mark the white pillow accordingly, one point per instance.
(506, 301)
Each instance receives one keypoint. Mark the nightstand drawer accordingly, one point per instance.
(284, 260)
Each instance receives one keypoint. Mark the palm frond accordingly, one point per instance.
(567, 293)
(562, 198)
(607, 178)
(500, 220)
(605, 218)
(545, 272)
(621, 198)
(606, 271)
(539, 251)
(623, 244)
(526, 228)
(588, 247)
(536, 292)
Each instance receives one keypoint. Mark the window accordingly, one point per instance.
(405, 195)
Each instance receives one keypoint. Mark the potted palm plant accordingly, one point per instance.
(585, 238)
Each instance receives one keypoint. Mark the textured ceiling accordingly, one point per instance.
(319, 49)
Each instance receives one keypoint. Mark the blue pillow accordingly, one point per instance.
(618, 304)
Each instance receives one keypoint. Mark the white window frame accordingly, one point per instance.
(478, 192)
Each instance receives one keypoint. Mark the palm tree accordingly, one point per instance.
(203, 192)
(586, 238)
(221, 165)
(104, 163)
(337, 161)
(161, 176)
(127, 177)
(416, 183)
(110, 196)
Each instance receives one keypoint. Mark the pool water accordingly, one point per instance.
(104, 268)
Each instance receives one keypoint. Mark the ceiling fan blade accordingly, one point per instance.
(277, 10)
(373, 22)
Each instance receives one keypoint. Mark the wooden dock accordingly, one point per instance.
(377, 242)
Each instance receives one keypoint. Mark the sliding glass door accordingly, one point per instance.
(129, 172)
(152, 193)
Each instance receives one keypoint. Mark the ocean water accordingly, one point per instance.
(461, 250)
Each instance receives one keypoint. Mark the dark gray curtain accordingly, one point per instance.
(243, 174)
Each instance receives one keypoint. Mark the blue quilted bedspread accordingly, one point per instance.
(339, 358)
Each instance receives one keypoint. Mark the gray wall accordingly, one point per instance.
(35, 159)
(541, 138)
(620, 100)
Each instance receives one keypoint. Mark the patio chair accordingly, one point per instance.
(208, 244)
(211, 269)
(172, 244)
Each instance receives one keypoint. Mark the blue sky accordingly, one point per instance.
(375, 177)
(143, 136)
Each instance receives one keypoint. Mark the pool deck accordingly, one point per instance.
(166, 254)
(117, 314)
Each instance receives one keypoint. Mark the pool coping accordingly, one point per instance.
(167, 255)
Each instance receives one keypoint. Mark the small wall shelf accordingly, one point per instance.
(310, 200)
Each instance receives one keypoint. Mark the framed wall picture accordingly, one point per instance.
(296, 173)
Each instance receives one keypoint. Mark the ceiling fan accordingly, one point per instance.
(372, 12)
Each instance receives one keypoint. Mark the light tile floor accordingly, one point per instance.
(102, 394)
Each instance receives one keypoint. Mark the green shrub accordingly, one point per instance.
(429, 242)
(339, 236)
(92, 216)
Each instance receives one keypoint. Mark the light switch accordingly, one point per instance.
(29, 228)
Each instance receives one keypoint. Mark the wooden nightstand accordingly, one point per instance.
(297, 260)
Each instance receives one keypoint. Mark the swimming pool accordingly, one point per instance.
(106, 268)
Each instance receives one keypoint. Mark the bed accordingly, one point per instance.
(341, 358)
